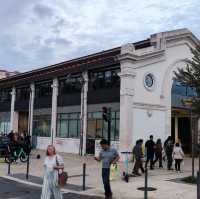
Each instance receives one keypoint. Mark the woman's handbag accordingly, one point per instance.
(62, 176)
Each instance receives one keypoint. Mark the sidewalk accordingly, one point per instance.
(158, 178)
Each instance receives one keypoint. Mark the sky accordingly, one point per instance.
(38, 33)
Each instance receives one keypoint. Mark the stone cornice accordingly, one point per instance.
(175, 36)
(149, 106)
(156, 53)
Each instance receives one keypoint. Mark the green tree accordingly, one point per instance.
(190, 76)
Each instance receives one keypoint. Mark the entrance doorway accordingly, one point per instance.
(23, 122)
(96, 131)
(181, 127)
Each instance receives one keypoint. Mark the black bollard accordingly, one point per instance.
(198, 185)
(9, 168)
(27, 167)
(146, 184)
(84, 174)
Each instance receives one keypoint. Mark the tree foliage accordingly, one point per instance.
(190, 75)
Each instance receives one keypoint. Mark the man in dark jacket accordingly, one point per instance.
(169, 151)
(150, 149)
(138, 154)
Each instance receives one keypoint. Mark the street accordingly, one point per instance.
(14, 190)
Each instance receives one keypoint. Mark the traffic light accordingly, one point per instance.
(105, 114)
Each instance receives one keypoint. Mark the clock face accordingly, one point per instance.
(149, 81)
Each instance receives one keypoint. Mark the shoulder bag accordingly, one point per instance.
(62, 177)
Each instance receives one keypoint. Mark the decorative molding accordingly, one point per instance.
(127, 92)
(174, 35)
(127, 48)
(149, 106)
(137, 58)
(127, 74)
(149, 113)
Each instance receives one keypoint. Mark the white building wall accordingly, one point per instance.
(151, 109)
(146, 124)
(67, 145)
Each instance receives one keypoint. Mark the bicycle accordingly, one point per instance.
(14, 155)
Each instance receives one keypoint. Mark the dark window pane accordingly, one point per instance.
(5, 95)
(68, 125)
(70, 84)
(43, 90)
(42, 125)
(117, 130)
(23, 93)
(62, 129)
(73, 128)
(91, 131)
(99, 129)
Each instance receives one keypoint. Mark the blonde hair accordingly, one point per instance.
(54, 149)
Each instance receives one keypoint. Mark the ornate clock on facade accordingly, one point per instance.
(149, 81)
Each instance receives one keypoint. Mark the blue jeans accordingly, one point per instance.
(106, 181)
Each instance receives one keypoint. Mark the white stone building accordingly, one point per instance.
(135, 81)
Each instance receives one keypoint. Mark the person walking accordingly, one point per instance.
(108, 156)
(53, 165)
(137, 152)
(150, 147)
(158, 153)
(169, 152)
(178, 155)
(169, 138)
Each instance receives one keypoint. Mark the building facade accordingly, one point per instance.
(62, 104)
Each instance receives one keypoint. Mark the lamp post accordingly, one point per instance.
(188, 103)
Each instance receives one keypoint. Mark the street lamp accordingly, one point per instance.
(188, 103)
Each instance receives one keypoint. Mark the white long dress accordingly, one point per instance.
(50, 181)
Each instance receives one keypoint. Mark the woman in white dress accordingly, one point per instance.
(53, 163)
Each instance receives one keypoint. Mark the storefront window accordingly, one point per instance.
(42, 125)
(70, 84)
(62, 129)
(5, 95)
(23, 93)
(105, 79)
(68, 125)
(4, 127)
(98, 128)
(43, 89)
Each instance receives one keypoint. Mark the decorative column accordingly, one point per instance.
(54, 109)
(126, 97)
(31, 108)
(12, 111)
(176, 129)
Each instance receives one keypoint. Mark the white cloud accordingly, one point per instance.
(38, 33)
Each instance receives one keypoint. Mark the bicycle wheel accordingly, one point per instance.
(23, 157)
